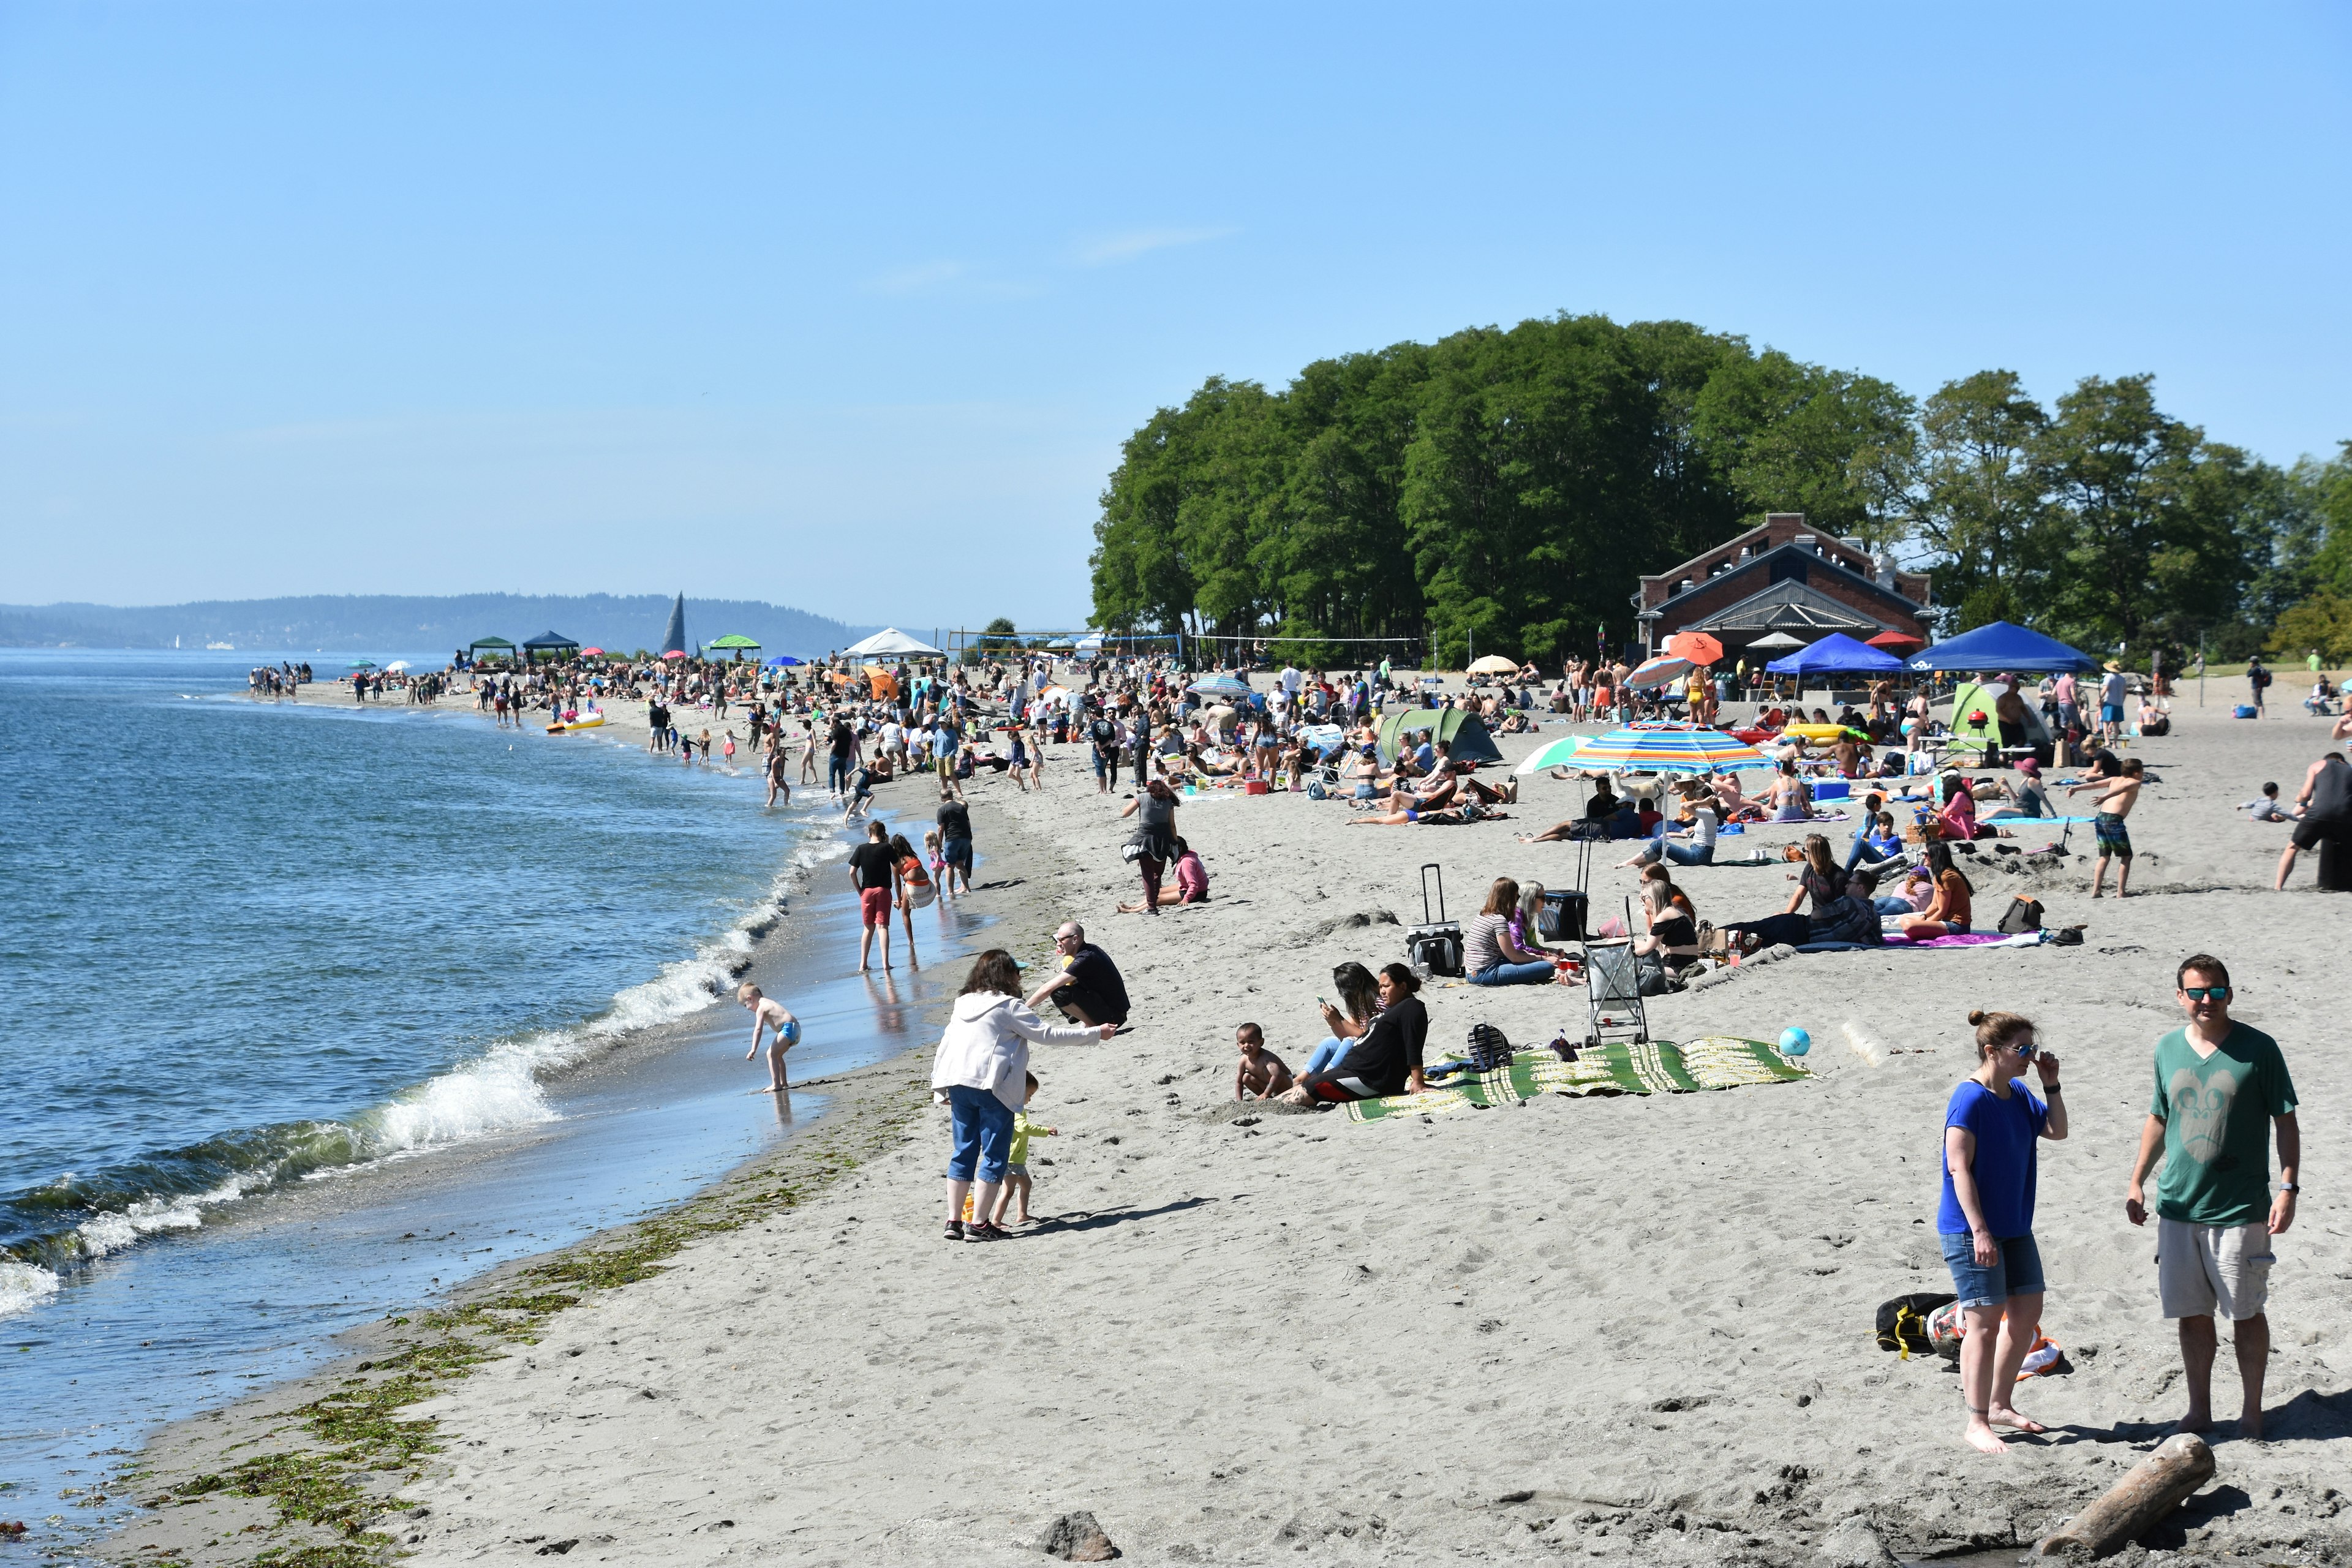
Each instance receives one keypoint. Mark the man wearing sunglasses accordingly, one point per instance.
(2220, 1088)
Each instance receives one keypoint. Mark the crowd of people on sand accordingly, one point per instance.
(2222, 1092)
(276, 681)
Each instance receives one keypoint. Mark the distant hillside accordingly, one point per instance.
(346, 622)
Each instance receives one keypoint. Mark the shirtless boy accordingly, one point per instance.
(769, 1013)
(1260, 1074)
(2114, 841)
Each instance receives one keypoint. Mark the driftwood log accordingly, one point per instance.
(2149, 1491)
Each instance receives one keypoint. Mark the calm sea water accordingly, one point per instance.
(305, 1011)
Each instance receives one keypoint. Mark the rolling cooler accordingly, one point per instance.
(1434, 946)
(1567, 911)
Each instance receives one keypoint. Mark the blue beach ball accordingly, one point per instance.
(1795, 1042)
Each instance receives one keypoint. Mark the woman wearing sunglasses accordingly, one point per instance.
(1992, 1130)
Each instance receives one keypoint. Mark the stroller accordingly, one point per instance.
(1613, 988)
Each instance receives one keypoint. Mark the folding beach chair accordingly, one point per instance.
(1613, 989)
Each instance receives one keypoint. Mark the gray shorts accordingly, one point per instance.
(2204, 1269)
(1021, 1170)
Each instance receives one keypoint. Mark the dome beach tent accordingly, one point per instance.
(1463, 732)
(1975, 729)
(891, 643)
(1997, 645)
(1837, 654)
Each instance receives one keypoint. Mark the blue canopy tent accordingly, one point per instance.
(782, 661)
(1836, 654)
(2000, 646)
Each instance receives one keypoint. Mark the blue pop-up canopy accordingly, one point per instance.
(1836, 654)
(1997, 645)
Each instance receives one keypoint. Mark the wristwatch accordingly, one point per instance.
(2290, 1186)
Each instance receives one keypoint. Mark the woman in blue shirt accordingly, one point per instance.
(1991, 1131)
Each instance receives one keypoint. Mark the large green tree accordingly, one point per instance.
(1980, 501)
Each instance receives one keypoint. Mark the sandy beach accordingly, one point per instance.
(1635, 1329)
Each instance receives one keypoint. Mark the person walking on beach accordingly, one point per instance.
(844, 750)
(982, 1065)
(2122, 792)
(1993, 1129)
(2221, 1089)
(770, 1014)
(955, 841)
(873, 874)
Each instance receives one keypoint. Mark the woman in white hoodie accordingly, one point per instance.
(983, 1067)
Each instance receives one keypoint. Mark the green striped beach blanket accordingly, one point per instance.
(1659, 1067)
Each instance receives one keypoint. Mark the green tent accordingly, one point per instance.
(497, 645)
(736, 643)
(1974, 728)
(1462, 732)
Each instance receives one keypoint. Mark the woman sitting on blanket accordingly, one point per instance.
(1491, 955)
(1823, 876)
(1792, 798)
(1385, 1060)
(1731, 803)
(1360, 996)
(1948, 914)
(1670, 917)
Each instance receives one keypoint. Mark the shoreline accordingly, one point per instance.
(1635, 1329)
(850, 1105)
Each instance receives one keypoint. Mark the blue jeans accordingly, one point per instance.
(2017, 1272)
(1514, 974)
(983, 1134)
(1663, 847)
(1326, 1055)
(1891, 905)
(836, 773)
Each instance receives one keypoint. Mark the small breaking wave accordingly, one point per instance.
(69, 1223)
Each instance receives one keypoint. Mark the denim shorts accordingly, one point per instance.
(2018, 1272)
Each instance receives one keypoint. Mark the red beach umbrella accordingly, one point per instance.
(1696, 647)
(1895, 641)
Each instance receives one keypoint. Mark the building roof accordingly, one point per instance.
(1789, 607)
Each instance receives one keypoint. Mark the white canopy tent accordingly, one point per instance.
(892, 643)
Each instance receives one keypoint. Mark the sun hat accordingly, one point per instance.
(2114, 668)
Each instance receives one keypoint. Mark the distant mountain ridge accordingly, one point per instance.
(352, 622)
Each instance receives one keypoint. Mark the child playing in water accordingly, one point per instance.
(728, 751)
(937, 857)
(1016, 1159)
(767, 1013)
(1260, 1073)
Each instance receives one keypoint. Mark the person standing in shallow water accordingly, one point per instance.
(1992, 1130)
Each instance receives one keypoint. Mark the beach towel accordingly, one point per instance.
(1656, 1067)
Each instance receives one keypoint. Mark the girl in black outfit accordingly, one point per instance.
(1385, 1059)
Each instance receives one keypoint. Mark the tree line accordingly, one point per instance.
(1504, 488)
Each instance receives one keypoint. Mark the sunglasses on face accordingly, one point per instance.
(2200, 992)
(2024, 1048)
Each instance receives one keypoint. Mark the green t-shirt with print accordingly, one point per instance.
(2217, 1112)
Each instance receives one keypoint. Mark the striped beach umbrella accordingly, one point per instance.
(1659, 670)
(1668, 751)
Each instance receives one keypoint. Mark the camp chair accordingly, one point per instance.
(1613, 988)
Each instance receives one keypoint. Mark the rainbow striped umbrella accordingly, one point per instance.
(1668, 751)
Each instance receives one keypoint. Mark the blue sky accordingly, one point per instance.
(849, 308)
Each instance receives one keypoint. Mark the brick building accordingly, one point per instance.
(1783, 575)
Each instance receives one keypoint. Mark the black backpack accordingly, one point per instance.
(1903, 1322)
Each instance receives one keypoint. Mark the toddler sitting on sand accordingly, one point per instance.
(1260, 1074)
(2267, 808)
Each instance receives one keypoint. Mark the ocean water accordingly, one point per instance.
(307, 1011)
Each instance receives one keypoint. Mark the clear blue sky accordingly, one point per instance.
(850, 307)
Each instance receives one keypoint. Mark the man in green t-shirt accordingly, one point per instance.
(2220, 1088)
